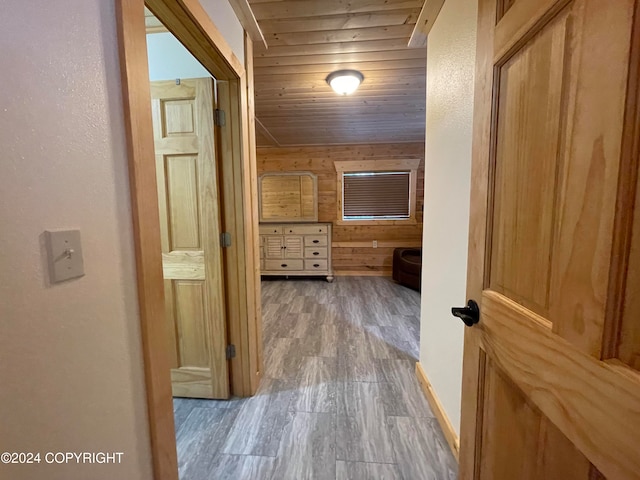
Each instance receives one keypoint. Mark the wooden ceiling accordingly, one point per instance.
(309, 39)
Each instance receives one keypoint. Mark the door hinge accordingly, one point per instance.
(219, 118)
(231, 351)
(225, 239)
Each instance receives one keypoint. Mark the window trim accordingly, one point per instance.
(353, 166)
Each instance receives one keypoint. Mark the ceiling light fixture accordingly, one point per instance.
(345, 82)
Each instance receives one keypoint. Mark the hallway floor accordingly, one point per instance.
(339, 398)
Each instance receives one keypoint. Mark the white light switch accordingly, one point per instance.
(65, 255)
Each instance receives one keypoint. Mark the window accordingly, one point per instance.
(376, 191)
(375, 195)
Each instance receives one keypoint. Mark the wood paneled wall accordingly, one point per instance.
(353, 252)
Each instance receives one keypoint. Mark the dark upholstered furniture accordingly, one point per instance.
(407, 267)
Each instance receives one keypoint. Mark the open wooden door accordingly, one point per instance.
(183, 123)
(551, 388)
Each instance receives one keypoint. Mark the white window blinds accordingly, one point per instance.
(375, 195)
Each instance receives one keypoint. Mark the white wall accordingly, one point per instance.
(71, 371)
(225, 19)
(450, 71)
(169, 59)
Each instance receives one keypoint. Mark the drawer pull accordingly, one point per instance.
(316, 253)
(316, 265)
(316, 241)
(284, 265)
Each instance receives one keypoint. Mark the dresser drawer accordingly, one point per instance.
(311, 265)
(305, 229)
(315, 252)
(315, 241)
(271, 229)
(284, 264)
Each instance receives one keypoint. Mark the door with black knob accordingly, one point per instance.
(551, 375)
(470, 314)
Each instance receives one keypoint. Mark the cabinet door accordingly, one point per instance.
(273, 246)
(293, 246)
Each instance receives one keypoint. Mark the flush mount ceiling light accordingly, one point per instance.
(345, 82)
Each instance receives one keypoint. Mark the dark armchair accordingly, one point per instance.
(407, 267)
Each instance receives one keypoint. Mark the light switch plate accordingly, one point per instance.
(65, 255)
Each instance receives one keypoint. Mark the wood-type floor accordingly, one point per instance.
(339, 398)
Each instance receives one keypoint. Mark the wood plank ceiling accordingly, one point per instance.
(309, 39)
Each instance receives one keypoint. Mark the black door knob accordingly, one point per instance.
(470, 314)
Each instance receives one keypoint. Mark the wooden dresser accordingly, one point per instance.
(300, 249)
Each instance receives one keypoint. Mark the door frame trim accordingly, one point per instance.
(188, 21)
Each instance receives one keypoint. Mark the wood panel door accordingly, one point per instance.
(183, 123)
(549, 391)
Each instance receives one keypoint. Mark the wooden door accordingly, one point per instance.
(190, 228)
(551, 388)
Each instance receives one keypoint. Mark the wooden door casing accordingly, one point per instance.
(190, 236)
(544, 394)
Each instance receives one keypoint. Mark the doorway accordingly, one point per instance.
(238, 201)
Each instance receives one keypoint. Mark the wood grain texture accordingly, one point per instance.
(517, 23)
(288, 197)
(356, 259)
(242, 253)
(359, 470)
(193, 27)
(628, 345)
(152, 24)
(470, 417)
(311, 39)
(526, 162)
(415, 460)
(426, 19)
(621, 338)
(439, 411)
(606, 436)
(534, 385)
(589, 194)
(188, 21)
(186, 168)
(292, 427)
(256, 361)
(146, 234)
(247, 19)
(310, 8)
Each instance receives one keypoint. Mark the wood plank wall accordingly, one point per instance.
(353, 252)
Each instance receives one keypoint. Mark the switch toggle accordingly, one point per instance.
(65, 255)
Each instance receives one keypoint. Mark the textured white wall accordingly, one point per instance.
(71, 373)
(168, 59)
(225, 19)
(450, 72)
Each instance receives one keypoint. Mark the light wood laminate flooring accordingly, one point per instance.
(339, 398)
